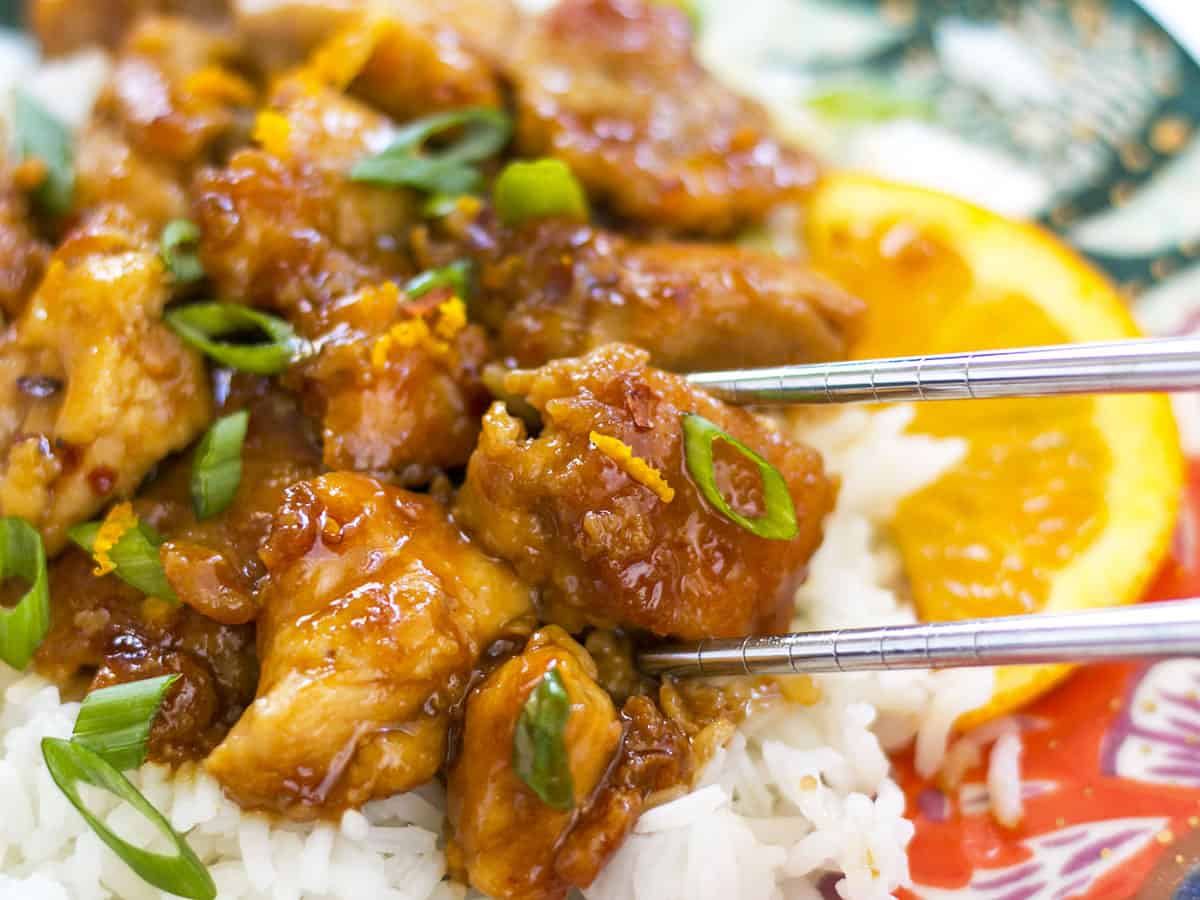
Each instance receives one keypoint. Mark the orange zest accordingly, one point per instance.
(272, 132)
(450, 318)
(119, 520)
(633, 466)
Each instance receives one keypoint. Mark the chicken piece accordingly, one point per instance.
(488, 27)
(213, 565)
(109, 171)
(553, 289)
(173, 93)
(105, 627)
(413, 66)
(94, 388)
(22, 254)
(63, 26)
(611, 88)
(608, 548)
(284, 229)
(402, 57)
(375, 611)
(513, 845)
(101, 624)
(400, 395)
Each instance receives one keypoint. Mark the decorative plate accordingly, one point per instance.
(1082, 114)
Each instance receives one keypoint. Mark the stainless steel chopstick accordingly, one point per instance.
(1131, 632)
(1151, 364)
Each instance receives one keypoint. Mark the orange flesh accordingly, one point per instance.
(987, 537)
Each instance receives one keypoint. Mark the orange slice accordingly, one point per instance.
(1059, 504)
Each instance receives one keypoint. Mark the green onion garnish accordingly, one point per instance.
(217, 465)
(539, 753)
(542, 189)
(178, 250)
(778, 523)
(456, 276)
(41, 136)
(134, 555)
(182, 874)
(450, 169)
(868, 103)
(440, 205)
(115, 721)
(23, 627)
(201, 324)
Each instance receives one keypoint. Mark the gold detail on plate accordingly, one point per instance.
(1063, 215)
(1167, 85)
(1190, 248)
(1131, 290)
(1088, 16)
(1163, 267)
(1135, 157)
(900, 12)
(1170, 134)
(1121, 192)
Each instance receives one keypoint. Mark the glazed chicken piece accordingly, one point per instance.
(108, 171)
(512, 844)
(103, 626)
(553, 289)
(100, 624)
(213, 565)
(283, 228)
(603, 537)
(405, 57)
(22, 254)
(611, 88)
(63, 26)
(374, 613)
(172, 101)
(94, 388)
(174, 93)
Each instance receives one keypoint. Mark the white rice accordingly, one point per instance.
(799, 793)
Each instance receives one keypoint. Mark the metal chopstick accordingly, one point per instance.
(1131, 632)
(1151, 364)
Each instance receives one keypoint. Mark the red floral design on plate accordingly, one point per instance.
(1111, 780)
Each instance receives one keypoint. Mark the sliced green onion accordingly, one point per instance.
(778, 523)
(539, 753)
(542, 189)
(868, 103)
(182, 874)
(135, 556)
(456, 275)
(440, 205)
(41, 136)
(23, 627)
(217, 465)
(201, 324)
(178, 250)
(451, 169)
(115, 721)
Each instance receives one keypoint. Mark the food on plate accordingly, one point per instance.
(605, 513)
(375, 611)
(552, 289)
(612, 88)
(1058, 504)
(348, 461)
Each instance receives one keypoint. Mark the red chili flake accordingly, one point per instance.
(102, 479)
